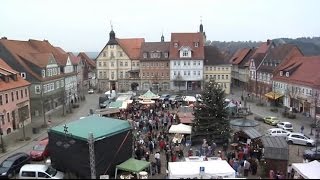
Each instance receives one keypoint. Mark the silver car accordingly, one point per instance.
(299, 138)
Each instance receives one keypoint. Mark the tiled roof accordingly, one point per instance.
(35, 52)
(74, 59)
(148, 47)
(131, 47)
(89, 61)
(187, 40)
(239, 55)
(246, 61)
(213, 56)
(6, 70)
(302, 71)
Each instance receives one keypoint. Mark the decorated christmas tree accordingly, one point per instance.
(210, 116)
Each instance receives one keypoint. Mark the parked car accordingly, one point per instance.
(285, 125)
(40, 151)
(312, 154)
(91, 91)
(271, 120)
(39, 171)
(164, 97)
(11, 166)
(277, 132)
(299, 138)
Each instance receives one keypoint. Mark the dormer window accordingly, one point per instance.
(281, 73)
(144, 55)
(43, 73)
(185, 53)
(23, 75)
(196, 44)
(175, 45)
(166, 55)
(287, 74)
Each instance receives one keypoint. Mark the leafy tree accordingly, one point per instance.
(210, 121)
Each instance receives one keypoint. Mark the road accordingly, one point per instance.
(91, 102)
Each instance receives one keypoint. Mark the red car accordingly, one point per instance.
(40, 151)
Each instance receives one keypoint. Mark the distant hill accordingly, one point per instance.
(91, 55)
(308, 46)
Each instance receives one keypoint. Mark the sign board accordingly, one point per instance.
(201, 170)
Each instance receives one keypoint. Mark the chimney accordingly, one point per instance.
(268, 42)
(3, 37)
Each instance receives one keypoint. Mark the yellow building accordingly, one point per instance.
(217, 67)
(118, 64)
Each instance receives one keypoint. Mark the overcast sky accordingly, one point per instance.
(84, 25)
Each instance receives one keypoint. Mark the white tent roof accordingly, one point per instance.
(180, 128)
(308, 170)
(190, 98)
(191, 169)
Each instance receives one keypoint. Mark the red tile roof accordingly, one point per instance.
(303, 71)
(131, 47)
(89, 61)
(239, 55)
(6, 70)
(35, 52)
(187, 40)
(74, 59)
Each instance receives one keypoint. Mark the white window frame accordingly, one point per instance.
(58, 84)
(23, 75)
(37, 89)
(43, 73)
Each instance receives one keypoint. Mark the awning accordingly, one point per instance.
(273, 95)
(133, 165)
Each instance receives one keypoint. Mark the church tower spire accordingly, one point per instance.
(162, 37)
(112, 36)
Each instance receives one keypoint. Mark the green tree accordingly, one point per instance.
(210, 121)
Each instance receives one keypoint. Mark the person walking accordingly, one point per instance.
(302, 128)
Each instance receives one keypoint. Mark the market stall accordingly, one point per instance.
(180, 129)
(307, 170)
(200, 169)
(148, 96)
(133, 166)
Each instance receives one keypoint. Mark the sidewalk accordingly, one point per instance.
(15, 140)
(263, 111)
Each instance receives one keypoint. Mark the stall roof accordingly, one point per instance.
(251, 132)
(275, 148)
(181, 129)
(101, 127)
(308, 170)
(133, 165)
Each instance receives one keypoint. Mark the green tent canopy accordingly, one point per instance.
(116, 104)
(133, 165)
(149, 95)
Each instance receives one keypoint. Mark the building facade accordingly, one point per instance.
(14, 99)
(301, 90)
(217, 67)
(155, 66)
(40, 63)
(114, 63)
(186, 61)
(87, 71)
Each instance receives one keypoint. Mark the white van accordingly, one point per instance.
(39, 171)
(277, 132)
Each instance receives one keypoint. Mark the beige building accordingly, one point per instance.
(217, 67)
(118, 64)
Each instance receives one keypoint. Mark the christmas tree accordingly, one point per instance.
(210, 116)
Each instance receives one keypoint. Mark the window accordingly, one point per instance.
(184, 63)
(133, 64)
(210, 76)
(99, 64)
(21, 93)
(198, 73)
(62, 83)
(43, 73)
(138, 64)
(227, 77)
(185, 53)
(58, 84)
(17, 94)
(162, 74)
(12, 97)
(104, 74)
(188, 63)
(196, 44)
(120, 54)
(100, 74)
(188, 73)
(37, 89)
(126, 64)
(112, 64)
(167, 74)
(210, 68)
(143, 74)
(54, 71)
(121, 74)
(104, 64)
(222, 76)
(174, 73)
(28, 174)
(121, 63)
(111, 46)
(145, 55)
(111, 55)
(43, 175)
(167, 64)
(152, 75)
(175, 44)
(174, 63)
(8, 117)
(112, 75)
(218, 76)
(194, 73)
(26, 92)
(287, 74)
(184, 73)
(207, 77)
(1, 103)
(23, 75)
(199, 63)
(147, 74)
(207, 68)
(194, 63)
(178, 63)
(166, 55)
(214, 76)
(104, 54)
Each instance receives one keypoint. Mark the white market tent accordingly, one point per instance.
(308, 170)
(189, 98)
(148, 96)
(212, 169)
(180, 129)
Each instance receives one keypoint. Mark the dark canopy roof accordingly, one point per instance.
(275, 148)
(251, 132)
